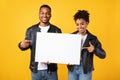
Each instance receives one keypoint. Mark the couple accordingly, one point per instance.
(48, 71)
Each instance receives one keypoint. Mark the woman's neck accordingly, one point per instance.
(84, 33)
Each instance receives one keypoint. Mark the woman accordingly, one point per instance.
(90, 46)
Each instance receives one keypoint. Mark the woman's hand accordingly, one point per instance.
(90, 48)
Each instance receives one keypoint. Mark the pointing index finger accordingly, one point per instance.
(27, 41)
(84, 47)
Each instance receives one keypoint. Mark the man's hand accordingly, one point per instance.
(45, 62)
(90, 48)
(25, 43)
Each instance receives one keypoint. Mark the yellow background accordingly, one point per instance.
(17, 15)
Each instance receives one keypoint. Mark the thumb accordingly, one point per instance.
(90, 43)
(85, 48)
(27, 41)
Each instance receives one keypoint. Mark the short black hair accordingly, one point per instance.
(45, 5)
(82, 14)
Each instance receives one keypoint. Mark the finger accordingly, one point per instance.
(90, 44)
(85, 48)
(48, 62)
(45, 62)
(27, 41)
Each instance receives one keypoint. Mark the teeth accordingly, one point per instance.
(44, 18)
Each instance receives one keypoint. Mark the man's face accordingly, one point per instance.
(81, 25)
(44, 15)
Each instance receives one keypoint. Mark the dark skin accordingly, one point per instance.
(81, 26)
(44, 17)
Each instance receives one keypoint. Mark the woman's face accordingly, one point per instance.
(81, 25)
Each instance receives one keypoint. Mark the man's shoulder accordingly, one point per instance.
(33, 26)
(54, 26)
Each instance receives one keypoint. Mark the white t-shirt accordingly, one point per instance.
(44, 29)
(83, 39)
(42, 66)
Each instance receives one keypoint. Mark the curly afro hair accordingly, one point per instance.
(82, 14)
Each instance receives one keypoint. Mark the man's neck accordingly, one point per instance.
(44, 24)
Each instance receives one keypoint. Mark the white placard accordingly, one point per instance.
(58, 48)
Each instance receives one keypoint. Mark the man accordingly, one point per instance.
(90, 46)
(40, 71)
